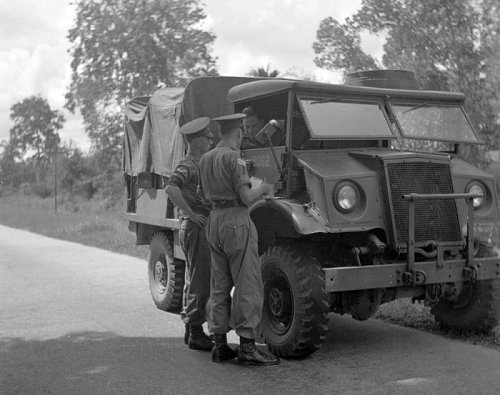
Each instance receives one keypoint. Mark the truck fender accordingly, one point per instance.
(276, 217)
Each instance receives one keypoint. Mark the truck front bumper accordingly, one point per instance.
(353, 278)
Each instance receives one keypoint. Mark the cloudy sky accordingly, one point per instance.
(34, 59)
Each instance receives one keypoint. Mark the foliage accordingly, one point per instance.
(76, 173)
(82, 222)
(7, 163)
(263, 72)
(450, 45)
(122, 49)
(34, 135)
(339, 47)
(107, 141)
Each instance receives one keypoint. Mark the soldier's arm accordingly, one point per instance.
(250, 195)
(175, 194)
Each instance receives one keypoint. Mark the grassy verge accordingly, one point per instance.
(89, 224)
(403, 312)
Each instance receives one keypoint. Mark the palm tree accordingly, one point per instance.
(264, 72)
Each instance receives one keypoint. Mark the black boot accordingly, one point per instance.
(198, 340)
(221, 351)
(249, 354)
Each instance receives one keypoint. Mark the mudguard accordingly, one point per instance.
(287, 218)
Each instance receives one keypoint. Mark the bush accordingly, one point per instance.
(110, 189)
(7, 190)
(42, 190)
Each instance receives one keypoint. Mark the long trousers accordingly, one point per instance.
(235, 262)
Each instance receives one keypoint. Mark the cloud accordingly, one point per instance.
(261, 32)
(278, 33)
(34, 59)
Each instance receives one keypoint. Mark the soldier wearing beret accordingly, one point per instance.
(232, 241)
(182, 190)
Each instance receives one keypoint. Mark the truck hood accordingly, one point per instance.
(328, 165)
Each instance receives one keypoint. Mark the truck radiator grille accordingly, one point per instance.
(434, 219)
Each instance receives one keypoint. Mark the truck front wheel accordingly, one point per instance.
(295, 313)
(477, 308)
(166, 275)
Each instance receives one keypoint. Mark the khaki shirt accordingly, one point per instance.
(185, 177)
(222, 173)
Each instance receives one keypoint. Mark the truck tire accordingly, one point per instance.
(295, 313)
(166, 275)
(476, 309)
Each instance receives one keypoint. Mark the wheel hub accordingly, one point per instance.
(160, 274)
(276, 301)
(279, 304)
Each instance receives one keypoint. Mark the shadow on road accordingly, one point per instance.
(102, 363)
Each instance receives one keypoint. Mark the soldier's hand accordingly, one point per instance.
(198, 219)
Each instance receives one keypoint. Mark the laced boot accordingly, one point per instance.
(249, 354)
(221, 351)
(198, 340)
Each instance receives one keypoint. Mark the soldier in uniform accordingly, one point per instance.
(182, 190)
(232, 241)
(252, 124)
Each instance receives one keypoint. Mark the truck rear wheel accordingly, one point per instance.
(477, 308)
(166, 275)
(295, 313)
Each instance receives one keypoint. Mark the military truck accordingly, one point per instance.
(373, 202)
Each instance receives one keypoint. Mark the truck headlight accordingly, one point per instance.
(346, 197)
(477, 189)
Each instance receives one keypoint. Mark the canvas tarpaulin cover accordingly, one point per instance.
(152, 143)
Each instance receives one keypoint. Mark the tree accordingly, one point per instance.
(77, 171)
(263, 72)
(448, 44)
(34, 135)
(121, 49)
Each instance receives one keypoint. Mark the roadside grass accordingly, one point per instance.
(86, 223)
(418, 316)
(90, 224)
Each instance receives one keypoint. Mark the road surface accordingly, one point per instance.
(79, 320)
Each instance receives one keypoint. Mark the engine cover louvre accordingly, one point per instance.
(434, 219)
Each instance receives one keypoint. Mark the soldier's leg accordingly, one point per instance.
(220, 295)
(192, 240)
(198, 268)
(248, 296)
(182, 241)
(240, 246)
(221, 282)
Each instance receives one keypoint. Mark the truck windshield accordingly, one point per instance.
(431, 121)
(333, 119)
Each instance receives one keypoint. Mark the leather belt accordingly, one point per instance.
(226, 203)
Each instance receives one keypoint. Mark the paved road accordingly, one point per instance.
(79, 320)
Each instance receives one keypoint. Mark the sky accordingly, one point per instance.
(279, 33)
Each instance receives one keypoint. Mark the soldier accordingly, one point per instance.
(232, 241)
(252, 124)
(182, 190)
